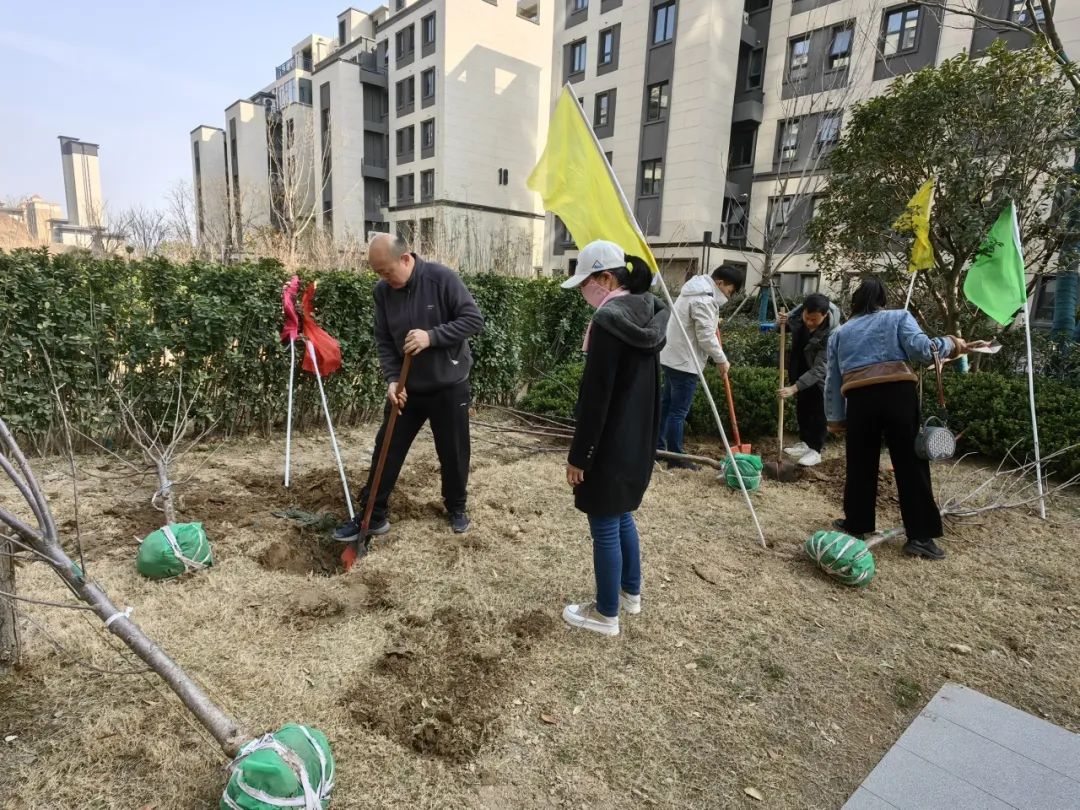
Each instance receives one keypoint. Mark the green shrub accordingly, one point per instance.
(555, 394)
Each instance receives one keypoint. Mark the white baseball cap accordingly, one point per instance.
(594, 257)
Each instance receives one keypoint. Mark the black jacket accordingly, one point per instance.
(815, 349)
(436, 300)
(618, 407)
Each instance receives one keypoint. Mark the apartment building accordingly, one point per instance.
(424, 117)
(718, 116)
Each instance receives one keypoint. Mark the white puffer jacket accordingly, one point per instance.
(698, 307)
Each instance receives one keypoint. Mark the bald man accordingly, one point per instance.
(423, 309)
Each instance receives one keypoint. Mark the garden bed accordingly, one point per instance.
(443, 676)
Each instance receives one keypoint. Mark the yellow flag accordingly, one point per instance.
(916, 219)
(576, 183)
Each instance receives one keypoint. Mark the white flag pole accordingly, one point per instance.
(288, 422)
(910, 290)
(329, 424)
(682, 327)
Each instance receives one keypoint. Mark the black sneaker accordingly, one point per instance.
(927, 549)
(350, 532)
(683, 465)
(841, 526)
(459, 522)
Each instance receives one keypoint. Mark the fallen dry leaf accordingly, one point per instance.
(960, 649)
(550, 719)
(754, 793)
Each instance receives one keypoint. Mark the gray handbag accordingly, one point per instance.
(935, 442)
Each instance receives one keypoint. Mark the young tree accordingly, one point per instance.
(144, 228)
(987, 130)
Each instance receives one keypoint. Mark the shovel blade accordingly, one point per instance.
(783, 471)
(349, 557)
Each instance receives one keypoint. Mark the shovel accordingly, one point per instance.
(359, 547)
(781, 469)
(738, 446)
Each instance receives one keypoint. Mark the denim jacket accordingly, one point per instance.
(885, 336)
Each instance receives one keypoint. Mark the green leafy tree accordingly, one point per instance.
(988, 130)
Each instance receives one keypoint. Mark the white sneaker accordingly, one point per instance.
(810, 459)
(797, 451)
(631, 604)
(586, 617)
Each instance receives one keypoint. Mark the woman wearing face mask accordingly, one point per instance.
(698, 307)
(617, 417)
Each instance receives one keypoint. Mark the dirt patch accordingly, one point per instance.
(305, 555)
(438, 687)
(370, 589)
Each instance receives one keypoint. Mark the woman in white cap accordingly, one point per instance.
(617, 424)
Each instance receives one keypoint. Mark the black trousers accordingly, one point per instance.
(448, 412)
(810, 411)
(889, 410)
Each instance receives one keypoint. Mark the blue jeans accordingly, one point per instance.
(616, 560)
(675, 400)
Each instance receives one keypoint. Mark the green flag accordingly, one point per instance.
(995, 281)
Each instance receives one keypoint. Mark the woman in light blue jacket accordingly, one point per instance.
(871, 392)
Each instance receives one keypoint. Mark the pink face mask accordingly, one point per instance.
(594, 292)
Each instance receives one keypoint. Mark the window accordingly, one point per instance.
(399, 5)
(756, 5)
(405, 188)
(840, 49)
(610, 156)
(405, 92)
(427, 28)
(789, 139)
(562, 235)
(755, 68)
(798, 58)
(742, 148)
(1045, 299)
(607, 47)
(1018, 12)
(901, 30)
(427, 184)
(781, 210)
(577, 56)
(652, 175)
(504, 177)
(427, 83)
(405, 142)
(828, 131)
(578, 5)
(403, 41)
(600, 115)
(658, 102)
(341, 32)
(427, 234)
(427, 133)
(663, 23)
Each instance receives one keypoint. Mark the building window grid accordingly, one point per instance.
(600, 114)
(652, 177)
(798, 58)
(663, 19)
(755, 69)
(578, 57)
(901, 30)
(789, 139)
(607, 47)
(782, 207)
(427, 83)
(657, 102)
(840, 49)
(828, 131)
(427, 184)
(427, 28)
(1018, 12)
(427, 133)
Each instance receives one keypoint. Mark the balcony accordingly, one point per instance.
(374, 167)
(295, 63)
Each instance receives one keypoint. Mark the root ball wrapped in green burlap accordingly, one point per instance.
(292, 767)
(842, 556)
(750, 468)
(174, 549)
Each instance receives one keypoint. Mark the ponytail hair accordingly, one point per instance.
(635, 277)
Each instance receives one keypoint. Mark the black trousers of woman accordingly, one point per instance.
(889, 410)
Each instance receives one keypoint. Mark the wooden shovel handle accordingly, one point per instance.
(385, 448)
(780, 421)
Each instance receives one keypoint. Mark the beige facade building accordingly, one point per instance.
(718, 115)
(424, 117)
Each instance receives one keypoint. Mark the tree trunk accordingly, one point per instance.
(9, 628)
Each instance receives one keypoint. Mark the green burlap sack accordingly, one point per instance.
(750, 468)
(172, 550)
(842, 556)
(292, 767)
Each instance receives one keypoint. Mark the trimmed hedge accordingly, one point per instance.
(139, 325)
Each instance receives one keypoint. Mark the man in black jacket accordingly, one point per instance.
(422, 309)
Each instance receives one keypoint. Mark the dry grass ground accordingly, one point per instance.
(443, 676)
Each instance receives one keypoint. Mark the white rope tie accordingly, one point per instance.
(174, 544)
(165, 490)
(126, 614)
(821, 550)
(312, 798)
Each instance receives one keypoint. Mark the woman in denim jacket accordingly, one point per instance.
(871, 392)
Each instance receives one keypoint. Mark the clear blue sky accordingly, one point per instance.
(135, 78)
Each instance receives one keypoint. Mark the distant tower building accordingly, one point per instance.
(82, 182)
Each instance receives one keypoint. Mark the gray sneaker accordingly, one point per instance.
(459, 522)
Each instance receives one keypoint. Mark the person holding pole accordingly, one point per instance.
(617, 423)
(422, 309)
(698, 305)
(811, 323)
(871, 391)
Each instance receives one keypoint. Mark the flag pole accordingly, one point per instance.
(288, 419)
(329, 424)
(682, 327)
(1034, 421)
(910, 290)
